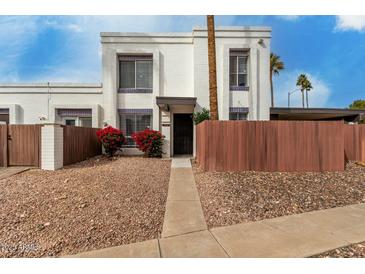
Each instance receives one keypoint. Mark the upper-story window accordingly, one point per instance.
(135, 73)
(238, 70)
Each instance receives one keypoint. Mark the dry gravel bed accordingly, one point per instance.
(236, 197)
(94, 204)
(351, 251)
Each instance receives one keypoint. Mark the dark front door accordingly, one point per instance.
(183, 134)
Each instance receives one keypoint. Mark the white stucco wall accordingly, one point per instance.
(180, 64)
(172, 70)
(180, 69)
(257, 99)
(37, 100)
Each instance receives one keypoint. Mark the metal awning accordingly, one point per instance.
(316, 114)
(165, 102)
(4, 111)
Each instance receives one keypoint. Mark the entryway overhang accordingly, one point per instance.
(165, 103)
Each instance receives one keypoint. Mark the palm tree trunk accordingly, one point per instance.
(303, 98)
(272, 90)
(213, 100)
(306, 94)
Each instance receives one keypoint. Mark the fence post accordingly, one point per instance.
(51, 147)
(5, 145)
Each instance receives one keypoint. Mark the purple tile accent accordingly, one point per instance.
(135, 90)
(238, 110)
(135, 57)
(135, 110)
(239, 88)
(4, 111)
(85, 112)
(238, 52)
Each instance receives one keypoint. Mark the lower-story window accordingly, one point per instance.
(86, 122)
(70, 121)
(238, 116)
(78, 121)
(134, 122)
(75, 117)
(238, 113)
(4, 116)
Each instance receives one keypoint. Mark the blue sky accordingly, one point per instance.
(329, 49)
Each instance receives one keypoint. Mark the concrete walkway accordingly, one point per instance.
(184, 212)
(6, 172)
(185, 233)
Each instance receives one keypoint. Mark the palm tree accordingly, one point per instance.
(276, 65)
(213, 100)
(305, 86)
(308, 88)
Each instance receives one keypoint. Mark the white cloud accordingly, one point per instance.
(16, 34)
(286, 82)
(289, 17)
(80, 50)
(55, 24)
(350, 22)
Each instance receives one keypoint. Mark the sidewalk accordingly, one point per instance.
(6, 172)
(185, 232)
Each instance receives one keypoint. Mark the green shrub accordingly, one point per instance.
(202, 115)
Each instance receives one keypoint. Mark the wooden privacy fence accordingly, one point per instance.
(79, 143)
(270, 145)
(355, 142)
(20, 145)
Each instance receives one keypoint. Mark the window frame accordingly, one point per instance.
(124, 130)
(77, 120)
(135, 59)
(237, 54)
(237, 111)
(237, 116)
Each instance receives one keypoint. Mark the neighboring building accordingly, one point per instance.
(317, 114)
(155, 80)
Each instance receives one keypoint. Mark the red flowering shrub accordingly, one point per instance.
(150, 142)
(111, 138)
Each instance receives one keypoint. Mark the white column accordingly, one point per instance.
(51, 147)
(110, 98)
(166, 131)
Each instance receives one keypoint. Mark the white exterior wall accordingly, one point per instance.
(28, 102)
(172, 73)
(180, 69)
(257, 99)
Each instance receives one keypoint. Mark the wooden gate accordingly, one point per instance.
(20, 145)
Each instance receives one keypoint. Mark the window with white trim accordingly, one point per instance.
(136, 73)
(237, 116)
(238, 70)
(134, 122)
(238, 113)
(77, 121)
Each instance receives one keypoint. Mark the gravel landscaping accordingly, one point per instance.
(351, 251)
(236, 197)
(91, 205)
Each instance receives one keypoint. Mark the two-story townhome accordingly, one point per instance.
(155, 80)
